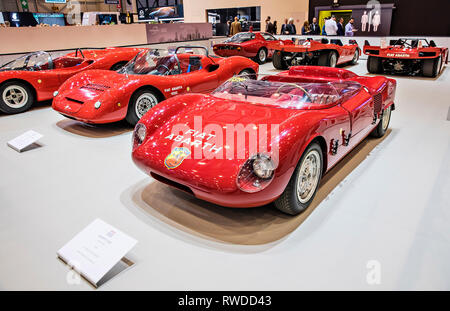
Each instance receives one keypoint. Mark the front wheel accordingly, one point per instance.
(278, 61)
(355, 58)
(303, 185)
(261, 56)
(141, 102)
(383, 125)
(15, 97)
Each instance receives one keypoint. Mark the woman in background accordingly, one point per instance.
(274, 28)
(305, 29)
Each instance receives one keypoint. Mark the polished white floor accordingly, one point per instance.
(392, 212)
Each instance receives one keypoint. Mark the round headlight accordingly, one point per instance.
(263, 166)
(140, 131)
(97, 105)
(55, 93)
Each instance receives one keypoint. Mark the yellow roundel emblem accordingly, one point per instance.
(176, 157)
(188, 89)
(39, 81)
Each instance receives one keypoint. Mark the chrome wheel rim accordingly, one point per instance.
(15, 96)
(386, 117)
(355, 57)
(333, 60)
(262, 55)
(308, 176)
(144, 103)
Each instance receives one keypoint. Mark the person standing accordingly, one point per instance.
(274, 30)
(315, 29)
(269, 26)
(331, 26)
(284, 27)
(324, 33)
(306, 29)
(340, 25)
(235, 27)
(292, 29)
(349, 30)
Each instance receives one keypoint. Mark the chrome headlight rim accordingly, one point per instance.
(248, 180)
(139, 134)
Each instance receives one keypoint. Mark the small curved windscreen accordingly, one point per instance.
(241, 37)
(30, 62)
(282, 94)
(152, 62)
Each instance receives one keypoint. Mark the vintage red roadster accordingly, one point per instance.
(313, 52)
(253, 45)
(36, 76)
(252, 142)
(100, 96)
(406, 56)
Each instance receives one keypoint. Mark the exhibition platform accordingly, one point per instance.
(386, 202)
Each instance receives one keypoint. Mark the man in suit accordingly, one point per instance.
(315, 29)
(340, 25)
(235, 27)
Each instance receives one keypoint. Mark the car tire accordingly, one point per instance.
(248, 73)
(355, 57)
(118, 66)
(328, 59)
(383, 125)
(15, 97)
(278, 61)
(291, 200)
(431, 67)
(374, 64)
(261, 56)
(140, 103)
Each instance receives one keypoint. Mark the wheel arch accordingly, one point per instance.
(148, 87)
(319, 139)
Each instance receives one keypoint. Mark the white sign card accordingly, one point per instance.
(383, 43)
(96, 250)
(25, 140)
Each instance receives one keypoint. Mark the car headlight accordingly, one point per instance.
(55, 93)
(97, 105)
(139, 134)
(256, 173)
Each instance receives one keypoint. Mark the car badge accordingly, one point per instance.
(176, 157)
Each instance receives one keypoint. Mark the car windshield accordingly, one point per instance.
(283, 94)
(153, 62)
(30, 62)
(241, 37)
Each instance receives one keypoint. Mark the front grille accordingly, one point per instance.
(172, 183)
(377, 101)
(75, 100)
(95, 87)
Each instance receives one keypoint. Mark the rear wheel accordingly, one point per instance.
(15, 97)
(383, 125)
(355, 57)
(431, 67)
(303, 185)
(278, 61)
(328, 59)
(141, 102)
(374, 64)
(261, 56)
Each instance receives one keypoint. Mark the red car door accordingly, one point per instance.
(361, 111)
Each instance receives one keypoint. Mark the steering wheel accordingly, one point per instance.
(164, 66)
(297, 86)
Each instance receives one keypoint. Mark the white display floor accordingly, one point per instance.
(394, 208)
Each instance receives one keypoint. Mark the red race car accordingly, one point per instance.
(36, 76)
(100, 96)
(254, 45)
(406, 56)
(312, 52)
(252, 142)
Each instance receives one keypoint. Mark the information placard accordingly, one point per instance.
(25, 140)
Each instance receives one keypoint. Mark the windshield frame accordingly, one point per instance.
(26, 59)
(154, 54)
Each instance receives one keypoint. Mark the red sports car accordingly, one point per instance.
(252, 142)
(407, 56)
(36, 76)
(254, 45)
(312, 52)
(99, 96)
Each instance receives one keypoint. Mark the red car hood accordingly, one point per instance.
(208, 115)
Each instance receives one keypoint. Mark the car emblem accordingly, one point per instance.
(176, 157)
